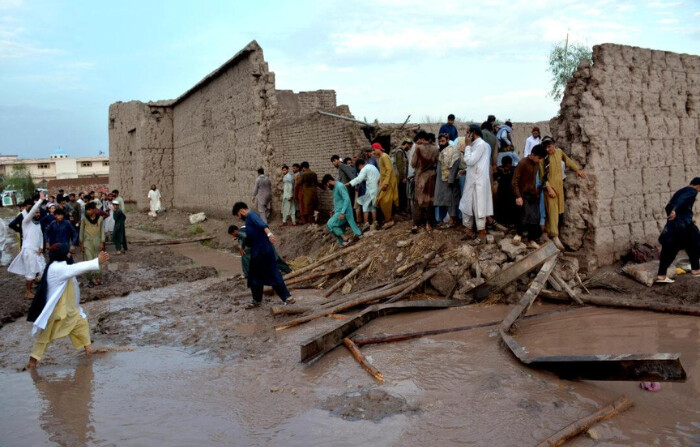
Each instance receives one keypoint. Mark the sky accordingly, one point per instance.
(62, 63)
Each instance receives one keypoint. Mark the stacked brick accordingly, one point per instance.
(631, 119)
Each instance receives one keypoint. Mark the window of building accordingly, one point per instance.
(105, 163)
(86, 164)
(43, 166)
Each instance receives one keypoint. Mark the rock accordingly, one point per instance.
(499, 258)
(510, 249)
(489, 269)
(567, 267)
(467, 251)
(646, 273)
(486, 252)
(347, 287)
(402, 244)
(442, 281)
(399, 258)
(490, 239)
(197, 218)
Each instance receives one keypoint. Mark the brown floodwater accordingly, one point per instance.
(225, 262)
(460, 389)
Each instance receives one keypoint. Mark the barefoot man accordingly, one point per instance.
(56, 310)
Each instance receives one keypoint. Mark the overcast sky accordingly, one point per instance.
(62, 63)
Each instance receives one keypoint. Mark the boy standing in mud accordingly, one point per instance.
(263, 268)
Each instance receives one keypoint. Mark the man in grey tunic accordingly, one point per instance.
(262, 195)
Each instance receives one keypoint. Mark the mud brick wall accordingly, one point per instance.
(220, 137)
(631, 119)
(140, 147)
(76, 185)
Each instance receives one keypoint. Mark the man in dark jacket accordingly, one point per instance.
(680, 233)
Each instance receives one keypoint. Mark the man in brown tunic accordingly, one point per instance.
(527, 197)
(308, 196)
(424, 161)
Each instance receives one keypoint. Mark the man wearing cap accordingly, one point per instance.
(532, 141)
(680, 233)
(477, 201)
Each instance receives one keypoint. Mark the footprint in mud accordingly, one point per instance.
(368, 404)
(529, 405)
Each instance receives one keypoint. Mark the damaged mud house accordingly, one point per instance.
(631, 119)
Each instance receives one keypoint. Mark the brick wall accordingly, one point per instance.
(76, 185)
(632, 120)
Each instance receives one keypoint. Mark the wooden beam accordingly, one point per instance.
(315, 347)
(322, 261)
(531, 294)
(355, 351)
(348, 277)
(574, 429)
(566, 288)
(515, 271)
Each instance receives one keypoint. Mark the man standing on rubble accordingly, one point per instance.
(527, 196)
(345, 174)
(388, 196)
(680, 233)
(263, 268)
(477, 201)
(262, 195)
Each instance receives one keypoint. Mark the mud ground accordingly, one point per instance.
(184, 318)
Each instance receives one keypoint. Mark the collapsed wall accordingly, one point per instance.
(631, 119)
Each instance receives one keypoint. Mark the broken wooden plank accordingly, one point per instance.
(348, 277)
(531, 294)
(625, 303)
(171, 241)
(566, 288)
(361, 340)
(355, 351)
(574, 429)
(314, 348)
(663, 367)
(321, 261)
(515, 271)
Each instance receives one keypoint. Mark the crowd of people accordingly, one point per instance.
(83, 221)
(441, 181)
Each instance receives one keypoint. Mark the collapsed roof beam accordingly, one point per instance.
(341, 117)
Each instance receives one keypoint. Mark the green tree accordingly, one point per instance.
(20, 180)
(563, 61)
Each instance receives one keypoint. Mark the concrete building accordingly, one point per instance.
(59, 165)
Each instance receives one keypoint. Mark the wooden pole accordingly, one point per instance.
(315, 275)
(412, 286)
(531, 294)
(321, 261)
(355, 351)
(288, 310)
(348, 277)
(376, 295)
(566, 288)
(618, 406)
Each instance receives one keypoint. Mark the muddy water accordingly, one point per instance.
(466, 387)
(225, 262)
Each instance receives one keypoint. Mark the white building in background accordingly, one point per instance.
(58, 166)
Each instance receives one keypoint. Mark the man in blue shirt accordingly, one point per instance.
(680, 233)
(263, 270)
(61, 231)
(449, 128)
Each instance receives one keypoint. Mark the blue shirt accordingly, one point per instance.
(61, 232)
(449, 129)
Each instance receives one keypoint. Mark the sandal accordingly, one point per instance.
(665, 281)
(252, 305)
(290, 300)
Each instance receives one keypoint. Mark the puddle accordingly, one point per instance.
(225, 262)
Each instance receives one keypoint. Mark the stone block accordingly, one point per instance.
(637, 152)
(673, 61)
(652, 206)
(677, 180)
(688, 127)
(651, 101)
(621, 239)
(655, 179)
(627, 181)
(657, 153)
(691, 63)
(637, 232)
(603, 242)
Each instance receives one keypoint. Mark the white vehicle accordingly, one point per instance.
(11, 197)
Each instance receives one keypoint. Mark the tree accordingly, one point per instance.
(563, 61)
(20, 180)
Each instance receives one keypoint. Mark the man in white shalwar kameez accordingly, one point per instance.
(477, 201)
(30, 260)
(154, 200)
(370, 175)
(56, 311)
